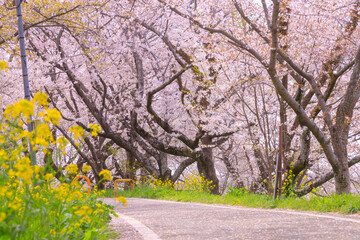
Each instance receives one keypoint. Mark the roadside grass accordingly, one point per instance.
(345, 204)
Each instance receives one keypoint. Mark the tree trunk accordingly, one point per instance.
(342, 180)
(165, 172)
(130, 170)
(206, 165)
(300, 164)
(130, 165)
(341, 171)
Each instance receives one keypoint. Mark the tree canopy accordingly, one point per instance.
(182, 85)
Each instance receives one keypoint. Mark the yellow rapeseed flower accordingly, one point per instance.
(41, 99)
(94, 129)
(77, 130)
(53, 232)
(26, 108)
(43, 136)
(26, 134)
(105, 174)
(3, 155)
(86, 168)
(11, 112)
(84, 211)
(15, 205)
(62, 142)
(72, 169)
(3, 65)
(53, 116)
(4, 166)
(48, 177)
(37, 168)
(23, 169)
(123, 200)
(2, 216)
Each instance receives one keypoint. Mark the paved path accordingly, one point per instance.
(157, 219)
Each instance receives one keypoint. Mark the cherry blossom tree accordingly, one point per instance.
(173, 83)
(79, 60)
(289, 55)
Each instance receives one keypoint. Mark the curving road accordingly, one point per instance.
(157, 219)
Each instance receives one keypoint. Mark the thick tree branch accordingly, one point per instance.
(351, 97)
(164, 124)
(233, 39)
(180, 169)
(324, 178)
(155, 143)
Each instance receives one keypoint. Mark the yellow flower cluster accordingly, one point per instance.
(62, 142)
(105, 174)
(26, 109)
(21, 169)
(53, 116)
(30, 196)
(123, 200)
(2, 216)
(42, 99)
(72, 169)
(22, 107)
(158, 183)
(78, 131)
(3, 65)
(94, 129)
(86, 168)
(48, 177)
(43, 135)
(194, 182)
(290, 185)
(84, 212)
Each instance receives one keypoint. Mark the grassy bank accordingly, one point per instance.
(346, 204)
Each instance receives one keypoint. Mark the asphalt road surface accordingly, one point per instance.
(157, 219)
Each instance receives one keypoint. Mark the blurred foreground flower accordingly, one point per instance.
(72, 169)
(123, 200)
(86, 168)
(3, 65)
(94, 129)
(105, 174)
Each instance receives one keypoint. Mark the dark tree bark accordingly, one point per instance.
(205, 163)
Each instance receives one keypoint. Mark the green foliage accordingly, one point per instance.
(236, 192)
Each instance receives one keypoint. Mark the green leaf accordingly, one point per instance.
(90, 234)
